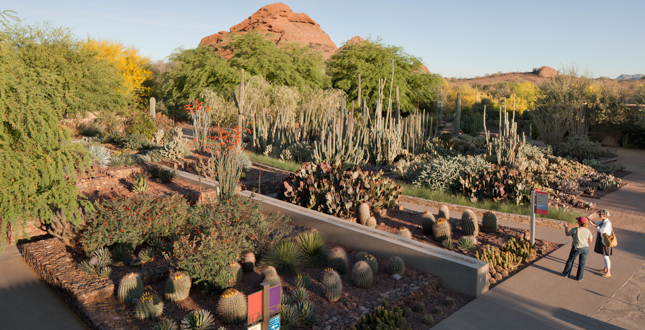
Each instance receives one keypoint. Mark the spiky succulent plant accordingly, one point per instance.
(165, 325)
(231, 307)
(313, 244)
(303, 280)
(308, 313)
(395, 265)
(177, 286)
(299, 295)
(130, 287)
(100, 155)
(286, 256)
(200, 319)
(145, 255)
(149, 306)
(372, 262)
(362, 275)
(332, 284)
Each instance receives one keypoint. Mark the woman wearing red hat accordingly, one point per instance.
(580, 247)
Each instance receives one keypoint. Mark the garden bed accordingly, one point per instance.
(93, 297)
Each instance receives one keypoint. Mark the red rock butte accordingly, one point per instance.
(282, 25)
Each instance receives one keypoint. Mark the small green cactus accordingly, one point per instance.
(371, 261)
(231, 307)
(419, 307)
(303, 280)
(395, 266)
(338, 259)
(299, 295)
(362, 275)
(447, 243)
(437, 310)
(308, 314)
(105, 272)
(404, 232)
(427, 222)
(363, 213)
(268, 271)
(333, 285)
(149, 306)
(234, 270)
(371, 222)
(465, 244)
(273, 280)
(130, 287)
(145, 255)
(444, 212)
(489, 222)
(449, 302)
(200, 319)
(165, 325)
(248, 262)
(177, 286)
(360, 256)
(407, 311)
(469, 224)
(427, 319)
(441, 230)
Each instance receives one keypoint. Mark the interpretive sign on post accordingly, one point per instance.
(542, 202)
(263, 307)
(274, 324)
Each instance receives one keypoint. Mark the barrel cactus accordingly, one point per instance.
(248, 262)
(130, 287)
(338, 259)
(178, 286)
(231, 307)
(149, 306)
(469, 224)
(441, 230)
(234, 273)
(362, 275)
(427, 319)
(371, 222)
(200, 319)
(303, 280)
(489, 222)
(404, 232)
(427, 222)
(273, 280)
(444, 212)
(361, 256)
(371, 261)
(363, 213)
(333, 285)
(395, 266)
(268, 271)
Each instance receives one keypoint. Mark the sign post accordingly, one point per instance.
(539, 205)
(532, 217)
(264, 308)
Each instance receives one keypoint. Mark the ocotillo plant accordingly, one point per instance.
(201, 116)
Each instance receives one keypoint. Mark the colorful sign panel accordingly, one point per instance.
(274, 323)
(262, 305)
(274, 299)
(255, 327)
(255, 307)
(541, 202)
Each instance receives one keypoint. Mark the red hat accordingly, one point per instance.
(581, 219)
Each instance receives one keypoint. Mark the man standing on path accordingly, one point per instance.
(579, 247)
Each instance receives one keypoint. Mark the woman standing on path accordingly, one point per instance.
(580, 247)
(603, 227)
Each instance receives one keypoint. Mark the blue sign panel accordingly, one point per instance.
(274, 323)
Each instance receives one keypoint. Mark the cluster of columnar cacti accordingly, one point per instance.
(427, 222)
(303, 280)
(395, 265)
(338, 259)
(149, 306)
(441, 230)
(489, 222)
(521, 248)
(362, 275)
(248, 262)
(385, 317)
(130, 287)
(234, 270)
(418, 128)
(231, 307)
(332, 284)
(504, 150)
(177, 286)
(495, 257)
(371, 222)
(469, 224)
(404, 232)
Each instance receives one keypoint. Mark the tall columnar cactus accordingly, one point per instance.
(362, 275)
(153, 108)
(248, 262)
(444, 212)
(149, 306)
(395, 266)
(130, 287)
(371, 222)
(457, 116)
(469, 224)
(303, 280)
(268, 271)
(231, 307)
(234, 273)
(441, 230)
(427, 222)
(177, 286)
(363, 213)
(404, 232)
(338, 259)
(273, 280)
(371, 261)
(489, 222)
(333, 285)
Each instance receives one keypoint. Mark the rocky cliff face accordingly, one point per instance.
(283, 25)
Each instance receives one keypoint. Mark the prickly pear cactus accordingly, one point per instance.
(469, 224)
(363, 213)
(395, 266)
(248, 262)
(130, 287)
(427, 222)
(489, 222)
(177, 286)
(371, 222)
(231, 307)
(441, 230)
(404, 232)
(444, 212)
(333, 285)
(149, 306)
(362, 275)
(338, 259)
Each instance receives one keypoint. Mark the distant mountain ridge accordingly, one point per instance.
(630, 76)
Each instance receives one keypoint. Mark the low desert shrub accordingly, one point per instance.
(442, 173)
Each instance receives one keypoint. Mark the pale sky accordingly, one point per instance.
(453, 38)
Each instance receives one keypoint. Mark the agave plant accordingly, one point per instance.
(100, 155)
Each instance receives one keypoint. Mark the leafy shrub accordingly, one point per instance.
(442, 173)
(604, 168)
(330, 189)
(133, 220)
(143, 126)
(163, 175)
(136, 142)
(580, 147)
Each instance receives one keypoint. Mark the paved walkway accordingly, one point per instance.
(26, 302)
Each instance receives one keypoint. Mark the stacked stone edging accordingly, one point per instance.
(480, 212)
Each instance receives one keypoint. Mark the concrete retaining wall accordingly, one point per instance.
(458, 272)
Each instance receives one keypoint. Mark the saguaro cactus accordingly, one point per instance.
(153, 111)
(457, 116)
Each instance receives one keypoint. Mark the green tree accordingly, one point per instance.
(38, 160)
(373, 61)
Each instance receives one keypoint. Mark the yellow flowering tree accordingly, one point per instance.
(130, 64)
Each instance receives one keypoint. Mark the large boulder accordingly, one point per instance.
(547, 72)
(282, 25)
(609, 141)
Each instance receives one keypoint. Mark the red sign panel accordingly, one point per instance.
(255, 307)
